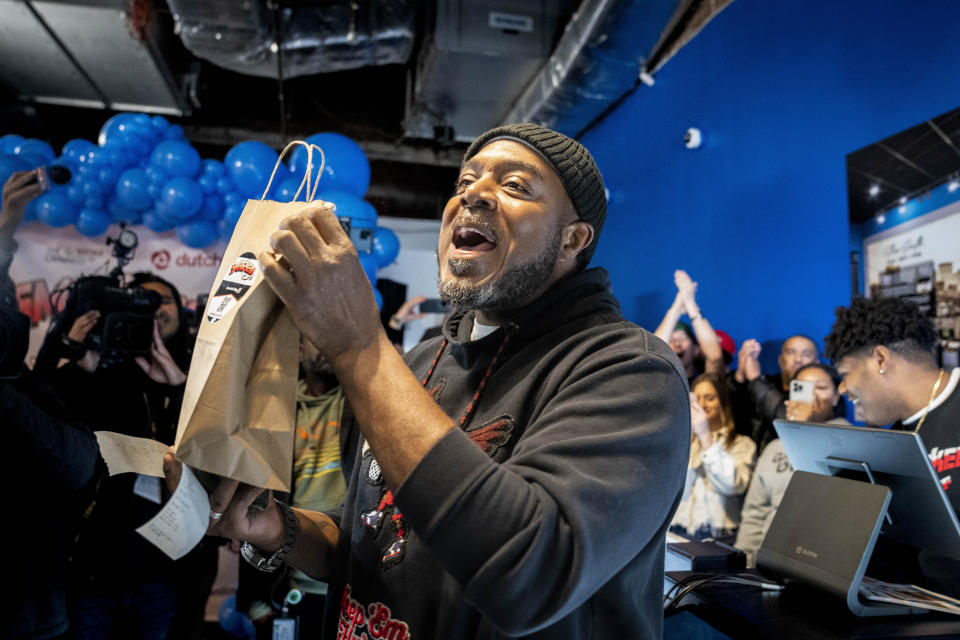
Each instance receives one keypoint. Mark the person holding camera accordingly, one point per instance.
(52, 455)
(118, 357)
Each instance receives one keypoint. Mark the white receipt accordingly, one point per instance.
(182, 522)
(124, 454)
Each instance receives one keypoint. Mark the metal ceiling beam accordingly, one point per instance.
(946, 139)
(375, 150)
(904, 160)
(878, 179)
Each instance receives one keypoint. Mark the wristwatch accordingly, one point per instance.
(270, 562)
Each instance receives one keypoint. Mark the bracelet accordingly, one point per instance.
(394, 320)
(260, 560)
(699, 316)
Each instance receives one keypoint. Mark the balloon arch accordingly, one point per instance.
(143, 171)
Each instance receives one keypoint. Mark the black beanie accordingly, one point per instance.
(573, 163)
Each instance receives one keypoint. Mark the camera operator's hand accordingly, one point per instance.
(17, 193)
(161, 367)
(82, 325)
(263, 529)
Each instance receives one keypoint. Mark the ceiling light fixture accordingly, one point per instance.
(874, 190)
(902, 208)
(954, 185)
(903, 199)
(881, 218)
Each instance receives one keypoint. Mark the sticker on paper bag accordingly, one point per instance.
(240, 277)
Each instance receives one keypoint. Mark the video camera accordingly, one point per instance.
(125, 327)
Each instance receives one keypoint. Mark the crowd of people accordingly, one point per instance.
(515, 475)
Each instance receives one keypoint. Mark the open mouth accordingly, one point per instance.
(474, 238)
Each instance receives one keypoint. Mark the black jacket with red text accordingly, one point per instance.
(543, 514)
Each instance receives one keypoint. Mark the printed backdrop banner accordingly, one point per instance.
(49, 260)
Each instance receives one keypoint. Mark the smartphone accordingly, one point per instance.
(433, 305)
(801, 391)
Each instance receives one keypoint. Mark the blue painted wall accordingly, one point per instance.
(758, 215)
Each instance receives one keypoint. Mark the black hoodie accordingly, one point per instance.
(544, 516)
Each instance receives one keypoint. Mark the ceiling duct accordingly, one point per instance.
(85, 53)
(599, 58)
(606, 48)
(243, 36)
(481, 56)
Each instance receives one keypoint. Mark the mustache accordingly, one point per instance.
(469, 218)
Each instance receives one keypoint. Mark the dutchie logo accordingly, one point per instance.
(160, 259)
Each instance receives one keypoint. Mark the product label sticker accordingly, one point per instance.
(240, 277)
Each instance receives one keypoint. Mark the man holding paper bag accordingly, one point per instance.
(513, 477)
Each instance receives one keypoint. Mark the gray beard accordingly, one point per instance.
(509, 291)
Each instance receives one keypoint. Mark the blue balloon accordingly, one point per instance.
(75, 193)
(345, 164)
(288, 189)
(157, 176)
(156, 222)
(386, 246)
(91, 188)
(181, 198)
(55, 209)
(153, 190)
(36, 152)
(351, 206)
(108, 177)
(208, 183)
(232, 213)
(76, 149)
(177, 158)
(199, 234)
(10, 164)
(30, 212)
(132, 191)
(94, 203)
(38, 148)
(249, 164)
(225, 185)
(121, 213)
(212, 207)
(225, 229)
(10, 144)
(121, 130)
(174, 132)
(232, 197)
(369, 263)
(159, 123)
(92, 223)
(213, 168)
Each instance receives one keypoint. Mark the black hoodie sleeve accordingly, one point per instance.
(591, 484)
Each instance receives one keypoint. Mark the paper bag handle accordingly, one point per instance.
(306, 178)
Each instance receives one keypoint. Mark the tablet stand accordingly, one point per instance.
(823, 535)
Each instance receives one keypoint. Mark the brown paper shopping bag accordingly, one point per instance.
(239, 405)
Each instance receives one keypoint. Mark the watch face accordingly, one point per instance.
(127, 239)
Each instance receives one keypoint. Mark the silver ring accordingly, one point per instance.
(214, 515)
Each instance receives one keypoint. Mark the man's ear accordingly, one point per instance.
(880, 358)
(577, 236)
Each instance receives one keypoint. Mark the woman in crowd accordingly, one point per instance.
(773, 468)
(721, 462)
